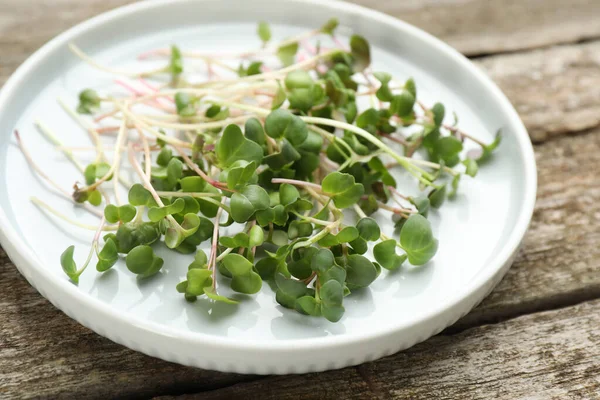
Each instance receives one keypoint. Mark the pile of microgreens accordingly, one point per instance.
(280, 147)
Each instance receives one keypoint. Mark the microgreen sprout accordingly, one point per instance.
(279, 141)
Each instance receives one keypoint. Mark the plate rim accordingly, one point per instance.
(17, 249)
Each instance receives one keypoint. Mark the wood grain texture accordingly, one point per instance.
(550, 355)
(559, 263)
(43, 353)
(477, 27)
(555, 90)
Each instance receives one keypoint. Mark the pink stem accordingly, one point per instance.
(309, 47)
(155, 90)
(338, 43)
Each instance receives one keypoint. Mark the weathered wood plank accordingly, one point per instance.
(550, 355)
(560, 259)
(43, 353)
(477, 27)
(474, 27)
(555, 90)
(26, 25)
(40, 348)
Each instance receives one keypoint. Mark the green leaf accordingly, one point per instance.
(368, 229)
(348, 234)
(298, 79)
(237, 264)
(197, 280)
(233, 146)
(164, 156)
(283, 159)
(329, 26)
(385, 254)
(254, 131)
(256, 236)
(335, 272)
(287, 53)
(185, 104)
(191, 205)
(360, 272)
(211, 294)
(437, 197)
(438, 111)
(108, 256)
(361, 53)
(239, 240)
(131, 235)
(282, 123)
(142, 261)
(200, 260)
(411, 87)
(471, 167)
(68, 264)
(416, 239)
(383, 93)
(448, 148)
(377, 165)
(289, 290)
(89, 102)
(240, 173)
(332, 293)
(267, 266)
(155, 214)
(342, 189)
(335, 89)
(244, 204)
(301, 99)
(94, 198)
(322, 260)
(300, 269)
(175, 63)
(140, 196)
(253, 69)
(264, 32)
(279, 98)
(402, 104)
(422, 203)
(288, 194)
(455, 182)
(312, 144)
(308, 305)
(247, 284)
(96, 171)
(489, 149)
(332, 313)
(192, 184)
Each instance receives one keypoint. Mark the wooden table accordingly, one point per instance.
(536, 336)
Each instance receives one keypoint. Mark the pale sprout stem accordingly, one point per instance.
(88, 127)
(44, 176)
(79, 53)
(71, 221)
(52, 137)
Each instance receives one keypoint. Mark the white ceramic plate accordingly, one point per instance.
(479, 232)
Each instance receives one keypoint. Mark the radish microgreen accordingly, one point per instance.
(288, 140)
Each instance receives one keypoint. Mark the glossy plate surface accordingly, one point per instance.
(479, 232)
